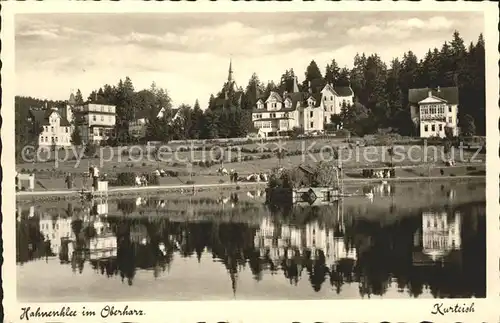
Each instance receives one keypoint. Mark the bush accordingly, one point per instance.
(190, 182)
(153, 179)
(125, 179)
(221, 181)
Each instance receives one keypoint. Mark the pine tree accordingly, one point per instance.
(312, 73)
(332, 73)
(79, 97)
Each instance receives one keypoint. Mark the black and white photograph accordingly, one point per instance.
(219, 156)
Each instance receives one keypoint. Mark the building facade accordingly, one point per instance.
(278, 114)
(434, 110)
(55, 129)
(97, 121)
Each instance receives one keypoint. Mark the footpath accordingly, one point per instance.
(132, 189)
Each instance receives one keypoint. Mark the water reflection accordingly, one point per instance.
(337, 247)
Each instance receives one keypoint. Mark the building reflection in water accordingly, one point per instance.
(438, 237)
(315, 244)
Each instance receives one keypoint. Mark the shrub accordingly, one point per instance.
(125, 179)
(172, 173)
(144, 164)
(153, 179)
(190, 182)
(221, 181)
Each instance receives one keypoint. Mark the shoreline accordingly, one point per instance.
(130, 190)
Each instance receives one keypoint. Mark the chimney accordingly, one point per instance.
(429, 93)
(284, 94)
(439, 89)
(310, 88)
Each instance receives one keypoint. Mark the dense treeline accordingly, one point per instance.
(381, 96)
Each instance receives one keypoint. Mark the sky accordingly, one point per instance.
(188, 53)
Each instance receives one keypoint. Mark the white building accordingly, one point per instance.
(432, 110)
(440, 234)
(55, 129)
(55, 230)
(312, 237)
(278, 115)
(98, 121)
(103, 246)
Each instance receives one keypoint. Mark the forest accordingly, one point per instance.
(381, 97)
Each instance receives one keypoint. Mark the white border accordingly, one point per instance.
(259, 311)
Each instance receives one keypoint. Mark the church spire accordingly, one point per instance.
(230, 75)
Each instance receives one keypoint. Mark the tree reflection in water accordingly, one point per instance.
(339, 249)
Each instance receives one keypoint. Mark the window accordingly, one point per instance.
(94, 117)
(44, 128)
(110, 118)
(450, 119)
(449, 109)
(52, 129)
(46, 139)
(56, 139)
(331, 98)
(440, 127)
(102, 118)
(312, 124)
(311, 114)
(66, 129)
(109, 109)
(433, 127)
(426, 128)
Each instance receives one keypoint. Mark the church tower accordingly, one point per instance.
(230, 74)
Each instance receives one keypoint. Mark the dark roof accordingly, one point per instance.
(449, 94)
(42, 117)
(296, 97)
(343, 90)
(317, 85)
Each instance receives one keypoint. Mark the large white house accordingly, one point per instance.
(279, 114)
(432, 110)
(55, 129)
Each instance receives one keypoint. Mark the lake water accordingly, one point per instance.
(424, 240)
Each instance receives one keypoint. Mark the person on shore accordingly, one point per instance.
(91, 175)
(95, 177)
(69, 181)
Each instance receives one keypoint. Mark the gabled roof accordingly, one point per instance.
(42, 117)
(296, 97)
(316, 98)
(449, 94)
(341, 91)
(275, 96)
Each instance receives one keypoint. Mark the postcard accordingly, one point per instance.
(250, 162)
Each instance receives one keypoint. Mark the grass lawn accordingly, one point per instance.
(249, 158)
